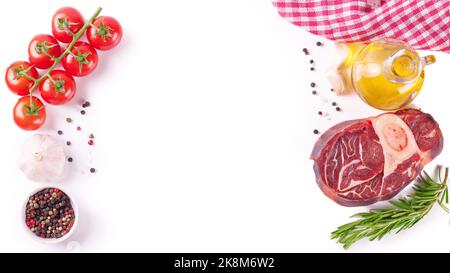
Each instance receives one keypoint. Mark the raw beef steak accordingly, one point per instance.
(360, 162)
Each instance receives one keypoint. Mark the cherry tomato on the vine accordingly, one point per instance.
(81, 60)
(19, 77)
(29, 114)
(65, 23)
(58, 88)
(42, 51)
(104, 33)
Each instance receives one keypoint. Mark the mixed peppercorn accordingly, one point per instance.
(90, 141)
(49, 213)
(314, 86)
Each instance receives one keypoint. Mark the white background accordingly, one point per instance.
(203, 119)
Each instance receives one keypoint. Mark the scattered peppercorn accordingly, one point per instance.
(320, 113)
(92, 170)
(312, 69)
(332, 90)
(313, 84)
(49, 213)
(314, 92)
(316, 131)
(91, 142)
(86, 104)
(91, 136)
(68, 120)
(305, 50)
(338, 109)
(78, 128)
(70, 159)
(68, 143)
(311, 61)
(334, 103)
(319, 44)
(60, 132)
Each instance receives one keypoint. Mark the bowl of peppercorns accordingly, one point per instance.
(50, 215)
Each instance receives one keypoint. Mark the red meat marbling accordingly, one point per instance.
(360, 162)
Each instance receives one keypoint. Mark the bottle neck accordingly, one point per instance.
(402, 67)
(405, 66)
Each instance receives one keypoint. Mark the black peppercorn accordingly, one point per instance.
(60, 132)
(313, 84)
(316, 131)
(314, 92)
(83, 112)
(92, 170)
(319, 44)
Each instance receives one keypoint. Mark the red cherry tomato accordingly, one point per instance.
(16, 78)
(29, 114)
(59, 88)
(104, 33)
(65, 23)
(81, 60)
(42, 51)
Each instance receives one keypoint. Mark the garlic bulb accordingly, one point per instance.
(42, 158)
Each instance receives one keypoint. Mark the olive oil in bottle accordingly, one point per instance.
(386, 74)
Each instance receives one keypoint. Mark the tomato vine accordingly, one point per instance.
(76, 37)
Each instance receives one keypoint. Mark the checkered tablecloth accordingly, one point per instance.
(423, 24)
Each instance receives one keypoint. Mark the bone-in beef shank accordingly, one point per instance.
(360, 162)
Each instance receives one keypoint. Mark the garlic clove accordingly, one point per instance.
(42, 158)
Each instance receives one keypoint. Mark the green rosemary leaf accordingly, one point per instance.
(403, 213)
(402, 204)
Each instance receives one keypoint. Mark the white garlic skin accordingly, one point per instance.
(42, 159)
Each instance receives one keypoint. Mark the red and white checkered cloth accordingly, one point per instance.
(423, 24)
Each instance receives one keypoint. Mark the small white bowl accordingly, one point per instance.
(49, 240)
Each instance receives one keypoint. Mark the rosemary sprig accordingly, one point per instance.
(402, 214)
